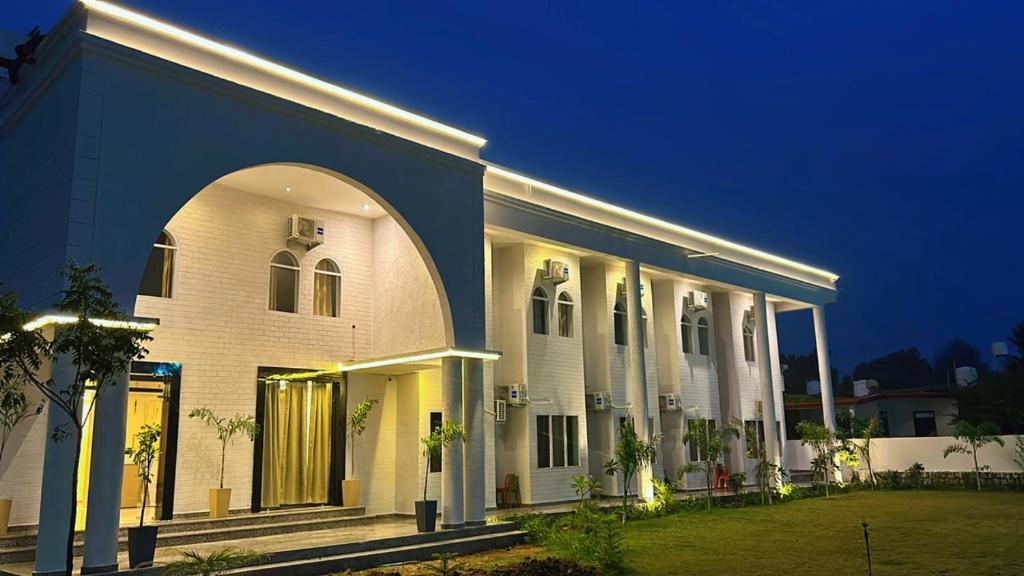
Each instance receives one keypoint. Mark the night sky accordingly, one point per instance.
(883, 141)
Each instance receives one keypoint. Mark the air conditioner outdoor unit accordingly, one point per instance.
(598, 401)
(669, 402)
(500, 411)
(698, 300)
(515, 394)
(306, 231)
(555, 271)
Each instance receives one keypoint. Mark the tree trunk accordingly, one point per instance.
(625, 496)
(223, 450)
(70, 560)
(426, 477)
(977, 473)
(707, 479)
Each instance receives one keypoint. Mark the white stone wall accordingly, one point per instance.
(218, 326)
(554, 373)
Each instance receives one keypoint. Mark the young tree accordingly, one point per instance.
(226, 430)
(444, 435)
(585, 487)
(143, 455)
(14, 405)
(97, 353)
(711, 445)
(766, 471)
(357, 425)
(970, 439)
(867, 434)
(631, 454)
(823, 442)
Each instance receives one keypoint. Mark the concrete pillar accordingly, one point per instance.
(636, 376)
(452, 486)
(55, 494)
(475, 474)
(764, 369)
(726, 318)
(828, 407)
(103, 516)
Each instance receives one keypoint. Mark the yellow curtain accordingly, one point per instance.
(318, 453)
(165, 284)
(85, 457)
(294, 445)
(274, 425)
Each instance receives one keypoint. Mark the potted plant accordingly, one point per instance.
(440, 437)
(14, 409)
(350, 487)
(141, 538)
(220, 497)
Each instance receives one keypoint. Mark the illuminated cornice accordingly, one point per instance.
(414, 358)
(141, 324)
(728, 247)
(236, 55)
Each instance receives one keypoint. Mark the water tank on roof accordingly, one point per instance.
(862, 388)
(965, 376)
(999, 349)
(814, 388)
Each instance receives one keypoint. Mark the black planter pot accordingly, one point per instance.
(426, 515)
(141, 546)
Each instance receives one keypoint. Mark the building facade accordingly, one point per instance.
(304, 248)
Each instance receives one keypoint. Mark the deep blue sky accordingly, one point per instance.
(883, 141)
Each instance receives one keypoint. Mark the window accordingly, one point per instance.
(284, 282)
(749, 427)
(540, 311)
(565, 327)
(695, 455)
(619, 323)
(159, 272)
(327, 289)
(883, 422)
(643, 325)
(703, 337)
(924, 423)
(557, 441)
(748, 341)
(435, 459)
(686, 330)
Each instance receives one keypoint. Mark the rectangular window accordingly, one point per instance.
(695, 453)
(883, 422)
(435, 459)
(557, 441)
(924, 423)
(754, 436)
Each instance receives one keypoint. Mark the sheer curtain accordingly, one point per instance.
(318, 446)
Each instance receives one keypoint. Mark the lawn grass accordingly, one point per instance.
(912, 532)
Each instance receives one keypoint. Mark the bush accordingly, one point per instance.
(590, 535)
(913, 477)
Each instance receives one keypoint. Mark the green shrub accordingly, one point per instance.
(913, 477)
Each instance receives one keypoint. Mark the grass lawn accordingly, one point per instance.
(912, 532)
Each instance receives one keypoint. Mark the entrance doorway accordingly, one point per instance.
(154, 392)
(302, 431)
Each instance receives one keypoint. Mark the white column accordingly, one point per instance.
(636, 377)
(475, 473)
(55, 494)
(828, 407)
(103, 516)
(452, 486)
(765, 373)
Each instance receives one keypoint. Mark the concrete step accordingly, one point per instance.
(18, 548)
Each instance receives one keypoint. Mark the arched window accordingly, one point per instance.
(643, 325)
(748, 339)
(686, 331)
(159, 272)
(565, 327)
(540, 311)
(327, 289)
(619, 323)
(284, 282)
(703, 337)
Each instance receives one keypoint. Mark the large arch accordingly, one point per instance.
(171, 138)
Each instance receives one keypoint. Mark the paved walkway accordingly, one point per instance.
(376, 530)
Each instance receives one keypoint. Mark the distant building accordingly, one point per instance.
(903, 413)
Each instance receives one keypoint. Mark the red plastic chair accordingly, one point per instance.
(721, 477)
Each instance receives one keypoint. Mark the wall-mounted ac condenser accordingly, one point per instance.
(555, 271)
(306, 231)
(669, 402)
(598, 401)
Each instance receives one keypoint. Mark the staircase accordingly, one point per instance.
(19, 545)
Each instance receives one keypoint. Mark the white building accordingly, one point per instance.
(442, 284)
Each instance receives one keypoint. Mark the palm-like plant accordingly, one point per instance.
(631, 454)
(970, 439)
(585, 487)
(440, 437)
(148, 439)
(867, 434)
(226, 430)
(357, 425)
(214, 563)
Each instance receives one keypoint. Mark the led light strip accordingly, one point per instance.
(63, 320)
(605, 206)
(264, 65)
(422, 357)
